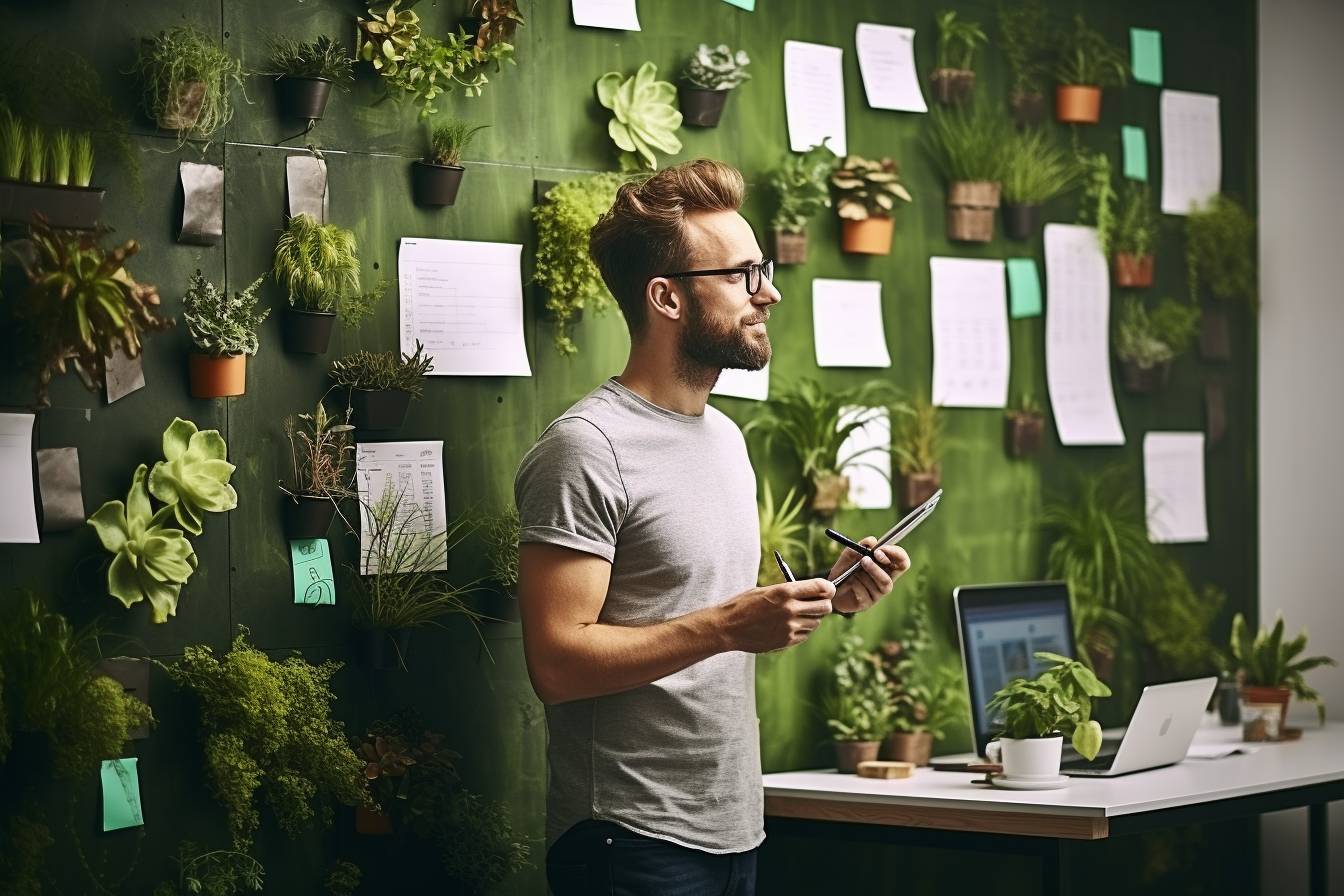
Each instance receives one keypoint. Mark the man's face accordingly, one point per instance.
(724, 327)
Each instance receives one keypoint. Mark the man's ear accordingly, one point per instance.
(663, 299)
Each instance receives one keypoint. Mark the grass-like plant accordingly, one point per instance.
(919, 438)
(320, 58)
(59, 148)
(319, 265)
(1025, 41)
(1036, 168)
(968, 143)
(1147, 339)
(1057, 700)
(1086, 57)
(1136, 225)
(81, 159)
(958, 40)
(1220, 252)
(321, 454)
(502, 533)
(1097, 207)
(34, 153)
(220, 325)
(384, 371)
(781, 529)
(1267, 660)
(171, 63)
(866, 188)
(800, 183)
(449, 140)
(13, 144)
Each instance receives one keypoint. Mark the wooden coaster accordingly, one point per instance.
(876, 768)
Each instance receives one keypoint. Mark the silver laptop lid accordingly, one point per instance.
(1163, 725)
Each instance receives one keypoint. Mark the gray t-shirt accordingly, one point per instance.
(670, 500)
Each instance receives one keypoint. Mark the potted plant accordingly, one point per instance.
(305, 72)
(319, 266)
(225, 332)
(47, 174)
(800, 183)
(1270, 672)
(1087, 62)
(215, 871)
(1134, 237)
(1024, 427)
(643, 116)
(188, 81)
(1220, 260)
(1035, 170)
(918, 446)
(1097, 208)
(1024, 36)
(563, 266)
(866, 194)
(706, 80)
(321, 455)
(499, 602)
(1037, 712)
(806, 419)
(436, 179)
(490, 23)
(953, 78)
(968, 147)
(926, 697)
(387, 761)
(781, 529)
(1146, 343)
(858, 711)
(381, 385)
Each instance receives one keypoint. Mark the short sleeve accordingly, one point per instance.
(569, 489)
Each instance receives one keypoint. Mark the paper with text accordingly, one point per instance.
(1192, 150)
(402, 483)
(868, 452)
(753, 384)
(1173, 487)
(620, 15)
(887, 65)
(970, 333)
(814, 96)
(847, 323)
(18, 511)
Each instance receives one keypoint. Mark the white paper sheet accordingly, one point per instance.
(414, 472)
(18, 511)
(1173, 485)
(970, 333)
(814, 96)
(870, 447)
(464, 301)
(753, 384)
(306, 186)
(618, 14)
(847, 323)
(1192, 150)
(887, 65)
(1077, 348)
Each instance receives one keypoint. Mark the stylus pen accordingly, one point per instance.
(784, 567)
(849, 543)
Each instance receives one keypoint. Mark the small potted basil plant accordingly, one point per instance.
(305, 72)
(225, 333)
(435, 180)
(381, 385)
(1037, 712)
(706, 80)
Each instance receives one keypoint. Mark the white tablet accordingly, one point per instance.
(898, 531)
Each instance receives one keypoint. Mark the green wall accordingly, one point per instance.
(546, 125)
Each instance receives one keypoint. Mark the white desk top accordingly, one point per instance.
(1317, 758)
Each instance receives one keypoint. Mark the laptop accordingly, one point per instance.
(1159, 733)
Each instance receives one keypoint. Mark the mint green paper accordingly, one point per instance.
(313, 581)
(748, 5)
(121, 794)
(1024, 288)
(1136, 152)
(1145, 51)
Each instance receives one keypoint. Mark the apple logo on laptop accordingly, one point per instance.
(1166, 723)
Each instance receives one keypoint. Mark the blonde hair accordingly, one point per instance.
(644, 233)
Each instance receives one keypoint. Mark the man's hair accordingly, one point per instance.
(644, 233)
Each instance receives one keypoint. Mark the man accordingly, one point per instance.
(638, 562)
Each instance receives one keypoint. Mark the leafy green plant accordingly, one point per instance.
(968, 143)
(800, 183)
(867, 189)
(171, 63)
(644, 115)
(919, 437)
(716, 69)
(343, 879)
(1086, 57)
(1036, 169)
(924, 696)
(1148, 339)
(502, 533)
(194, 476)
(319, 58)
(213, 872)
(1136, 227)
(268, 733)
(1025, 40)
(498, 20)
(563, 266)
(780, 529)
(60, 147)
(81, 160)
(449, 140)
(1027, 404)
(859, 707)
(319, 265)
(1059, 699)
(1220, 252)
(220, 325)
(1097, 207)
(384, 371)
(1267, 660)
(957, 41)
(321, 454)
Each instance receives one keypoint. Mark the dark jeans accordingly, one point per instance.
(601, 858)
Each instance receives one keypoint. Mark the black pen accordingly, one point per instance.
(784, 567)
(849, 543)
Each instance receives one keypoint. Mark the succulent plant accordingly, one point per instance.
(645, 118)
(717, 69)
(194, 477)
(383, 371)
(867, 189)
(220, 325)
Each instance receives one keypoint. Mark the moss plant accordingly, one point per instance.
(171, 63)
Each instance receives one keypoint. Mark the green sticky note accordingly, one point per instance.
(121, 794)
(1136, 152)
(1145, 51)
(1024, 287)
(313, 581)
(748, 5)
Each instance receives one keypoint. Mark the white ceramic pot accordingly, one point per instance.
(1031, 758)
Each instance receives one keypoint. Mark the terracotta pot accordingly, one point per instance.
(908, 746)
(1077, 104)
(790, 248)
(1028, 108)
(849, 753)
(308, 516)
(1021, 222)
(970, 210)
(372, 822)
(1143, 380)
(701, 108)
(379, 408)
(916, 488)
(1215, 334)
(831, 492)
(183, 107)
(64, 207)
(1259, 694)
(1135, 271)
(435, 185)
(307, 332)
(213, 377)
(1023, 434)
(302, 99)
(952, 86)
(871, 236)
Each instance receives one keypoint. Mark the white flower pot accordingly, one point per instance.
(1031, 758)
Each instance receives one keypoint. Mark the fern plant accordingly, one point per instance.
(384, 371)
(319, 265)
(1036, 169)
(1267, 660)
(220, 325)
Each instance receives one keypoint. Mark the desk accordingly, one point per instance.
(948, 810)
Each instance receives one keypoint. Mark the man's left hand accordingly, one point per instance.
(875, 578)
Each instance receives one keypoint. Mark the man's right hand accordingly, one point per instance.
(776, 616)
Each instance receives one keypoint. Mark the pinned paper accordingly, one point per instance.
(58, 481)
(408, 475)
(122, 375)
(18, 510)
(887, 66)
(132, 673)
(814, 96)
(121, 794)
(202, 203)
(620, 15)
(1173, 484)
(865, 456)
(847, 323)
(970, 333)
(313, 579)
(753, 384)
(748, 5)
(1024, 284)
(1145, 53)
(1135, 143)
(1192, 150)
(306, 183)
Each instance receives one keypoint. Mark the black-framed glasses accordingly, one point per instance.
(754, 274)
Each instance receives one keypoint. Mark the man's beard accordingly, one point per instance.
(710, 345)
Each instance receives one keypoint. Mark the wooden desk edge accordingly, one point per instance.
(1022, 824)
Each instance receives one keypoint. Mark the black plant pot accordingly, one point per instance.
(387, 648)
(1028, 109)
(435, 184)
(497, 604)
(702, 108)
(1143, 380)
(308, 516)
(1021, 221)
(1215, 334)
(308, 332)
(73, 208)
(379, 408)
(302, 99)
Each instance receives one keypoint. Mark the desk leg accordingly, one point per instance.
(1055, 868)
(1318, 835)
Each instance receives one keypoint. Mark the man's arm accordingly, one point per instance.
(571, 656)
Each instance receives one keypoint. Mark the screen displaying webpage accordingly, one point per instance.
(1002, 642)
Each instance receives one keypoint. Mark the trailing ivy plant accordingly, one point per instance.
(1220, 252)
(644, 116)
(800, 183)
(319, 265)
(179, 65)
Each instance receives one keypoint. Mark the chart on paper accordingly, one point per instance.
(402, 504)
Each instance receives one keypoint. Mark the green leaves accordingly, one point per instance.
(645, 117)
(195, 476)
(800, 183)
(220, 325)
(867, 188)
(1059, 698)
(860, 708)
(1267, 661)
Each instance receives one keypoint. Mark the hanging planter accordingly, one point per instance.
(1023, 433)
(1139, 380)
(308, 516)
(1133, 271)
(916, 488)
(382, 385)
(379, 409)
(187, 78)
(318, 264)
(1021, 222)
(497, 603)
(372, 822)
(1215, 334)
(1028, 108)
(970, 210)
(217, 377)
(830, 492)
(1087, 63)
(436, 178)
(225, 333)
(952, 86)
(709, 76)
(64, 207)
(305, 73)
(181, 106)
(953, 78)
(790, 248)
(308, 332)
(386, 649)
(302, 99)
(1077, 104)
(800, 183)
(866, 194)
(871, 236)
(701, 108)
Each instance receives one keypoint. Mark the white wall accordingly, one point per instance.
(1301, 203)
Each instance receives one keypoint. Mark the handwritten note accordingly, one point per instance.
(18, 511)
(970, 333)
(887, 66)
(313, 581)
(814, 96)
(405, 480)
